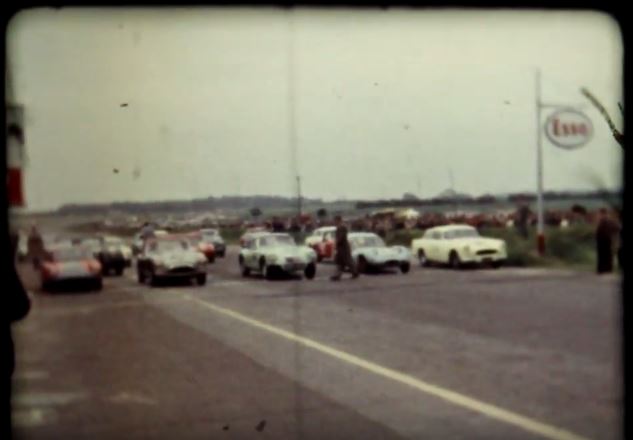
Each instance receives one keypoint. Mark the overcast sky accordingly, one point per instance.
(383, 102)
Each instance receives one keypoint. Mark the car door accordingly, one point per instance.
(444, 243)
(433, 247)
(253, 254)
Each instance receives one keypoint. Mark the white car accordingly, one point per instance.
(458, 245)
(369, 251)
(270, 253)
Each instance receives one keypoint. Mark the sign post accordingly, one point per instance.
(540, 234)
(567, 128)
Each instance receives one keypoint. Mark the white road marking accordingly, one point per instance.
(28, 418)
(30, 375)
(47, 399)
(486, 409)
(125, 397)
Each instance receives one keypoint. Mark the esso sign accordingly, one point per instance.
(568, 129)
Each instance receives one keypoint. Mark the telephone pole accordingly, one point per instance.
(540, 235)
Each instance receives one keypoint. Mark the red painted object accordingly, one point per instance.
(14, 187)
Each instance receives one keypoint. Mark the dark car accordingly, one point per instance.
(170, 257)
(113, 254)
(213, 236)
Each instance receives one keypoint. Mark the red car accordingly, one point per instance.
(322, 241)
(203, 244)
(65, 265)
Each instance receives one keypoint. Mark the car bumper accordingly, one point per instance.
(179, 272)
(290, 267)
(71, 283)
(113, 261)
(386, 263)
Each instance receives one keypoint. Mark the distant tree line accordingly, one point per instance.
(167, 206)
(490, 199)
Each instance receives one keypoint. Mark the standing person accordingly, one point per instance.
(35, 246)
(523, 216)
(606, 231)
(147, 231)
(343, 258)
(16, 307)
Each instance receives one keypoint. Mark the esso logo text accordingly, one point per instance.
(568, 129)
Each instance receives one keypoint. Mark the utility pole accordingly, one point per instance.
(452, 186)
(540, 234)
(299, 200)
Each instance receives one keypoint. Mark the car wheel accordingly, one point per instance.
(424, 262)
(496, 264)
(151, 278)
(98, 284)
(245, 270)
(362, 264)
(201, 279)
(310, 271)
(454, 260)
(265, 270)
(405, 267)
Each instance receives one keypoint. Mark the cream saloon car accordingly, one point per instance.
(458, 245)
(275, 253)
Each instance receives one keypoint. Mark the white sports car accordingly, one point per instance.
(458, 245)
(369, 251)
(270, 253)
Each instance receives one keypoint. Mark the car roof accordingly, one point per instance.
(361, 234)
(256, 234)
(325, 229)
(453, 227)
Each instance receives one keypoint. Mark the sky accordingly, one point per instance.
(164, 104)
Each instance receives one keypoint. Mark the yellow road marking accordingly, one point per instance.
(486, 409)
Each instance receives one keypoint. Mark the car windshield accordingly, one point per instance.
(367, 241)
(113, 241)
(90, 243)
(74, 253)
(194, 240)
(168, 245)
(277, 240)
(461, 233)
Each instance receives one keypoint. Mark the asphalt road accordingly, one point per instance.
(433, 354)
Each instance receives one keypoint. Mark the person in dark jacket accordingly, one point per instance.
(35, 246)
(606, 233)
(343, 258)
(17, 306)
